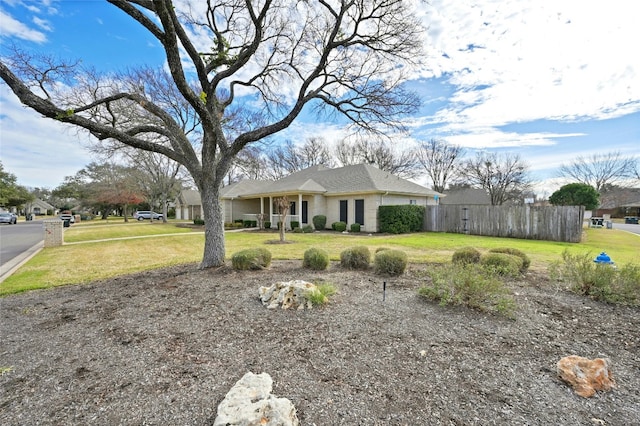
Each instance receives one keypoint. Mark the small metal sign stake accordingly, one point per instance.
(384, 290)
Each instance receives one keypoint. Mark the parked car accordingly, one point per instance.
(68, 217)
(146, 214)
(9, 218)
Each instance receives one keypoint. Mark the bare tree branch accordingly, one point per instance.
(441, 161)
(504, 177)
(600, 170)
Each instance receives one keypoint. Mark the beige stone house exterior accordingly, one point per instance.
(351, 194)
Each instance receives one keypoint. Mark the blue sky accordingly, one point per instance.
(549, 81)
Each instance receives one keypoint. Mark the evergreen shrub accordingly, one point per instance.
(355, 257)
(251, 259)
(390, 262)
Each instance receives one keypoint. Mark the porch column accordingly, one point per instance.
(262, 205)
(271, 210)
(300, 209)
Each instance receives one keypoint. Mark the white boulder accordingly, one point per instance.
(250, 403)
(288, 295)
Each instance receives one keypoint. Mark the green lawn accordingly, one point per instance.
(85, 231)
(91, 258)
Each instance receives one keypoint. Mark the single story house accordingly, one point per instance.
(351, 194)
(188, 205)
(39, 207)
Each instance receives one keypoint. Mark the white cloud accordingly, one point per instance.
(43, 23)
(491, 138)
(39, 151)
(14, 28)
(514, 61)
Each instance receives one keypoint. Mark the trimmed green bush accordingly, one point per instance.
(465, 256)
(390, 262)
(316, 259)
(198, 221)
(355, 257)
(307, 229)
(319, 222)
(468, 285)
(401, 219)
(339, 226)
(355, 227)
(526, 262)
(502, 264)
(251, 259)
(267, 225)
(295, 224)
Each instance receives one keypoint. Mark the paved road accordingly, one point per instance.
(18, 243)
(627, 227)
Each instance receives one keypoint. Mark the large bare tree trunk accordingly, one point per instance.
(214, 251)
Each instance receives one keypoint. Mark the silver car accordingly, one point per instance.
(9, 218)
(146, 214)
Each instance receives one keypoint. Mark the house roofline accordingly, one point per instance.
(333, 194)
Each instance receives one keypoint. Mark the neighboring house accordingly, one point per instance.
(467, 196)
(39, 207)
(188, 205)
(351, 194)
(617, 202)
(632, 209)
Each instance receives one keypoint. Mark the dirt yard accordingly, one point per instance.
(163, 348)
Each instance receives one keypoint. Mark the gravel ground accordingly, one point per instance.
(163, 348)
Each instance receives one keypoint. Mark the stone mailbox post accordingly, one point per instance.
(53, 232)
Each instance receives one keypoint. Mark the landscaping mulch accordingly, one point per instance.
(164, 347)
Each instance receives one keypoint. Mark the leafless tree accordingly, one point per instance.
(600, 170)
(250, 163)
(636, 170)
(504, 177)
(158, 177)
(288, 157)
(342, 57)
(440, 160)
(379, 153)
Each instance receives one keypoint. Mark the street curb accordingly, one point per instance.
(7, 269)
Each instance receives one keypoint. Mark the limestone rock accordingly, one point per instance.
(586, 376)
(288, 295)
(250, 403)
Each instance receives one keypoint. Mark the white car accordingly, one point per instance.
(68, 217)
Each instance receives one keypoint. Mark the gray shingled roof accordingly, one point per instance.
(467, 196)
(239, 189)
(190, 197)
(359, 178)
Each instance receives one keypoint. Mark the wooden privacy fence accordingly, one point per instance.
(553, 223)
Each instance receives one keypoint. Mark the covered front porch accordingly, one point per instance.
(265, 209)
